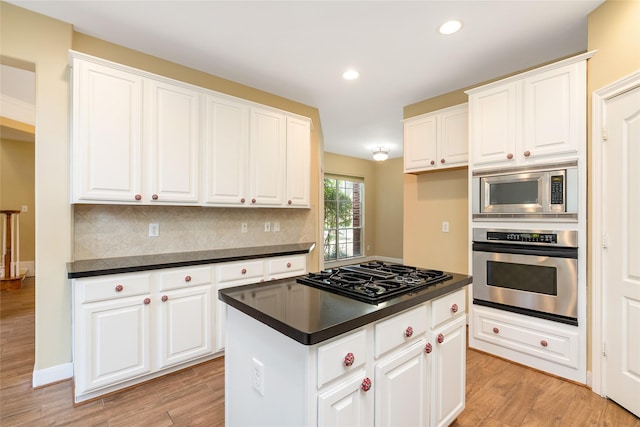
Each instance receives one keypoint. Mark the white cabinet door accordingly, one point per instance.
(453, 137)
(226, 151)
(113, 342)
(437, 140)
(172, 134)
(493, 122)
(185, 320)
(298, 162)
(420, 143)
(106, 134)
(346, 404)
(267, 158)
(554, 111)
(448, 378)
(402, 388)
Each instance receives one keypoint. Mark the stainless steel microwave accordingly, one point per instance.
(534, 193)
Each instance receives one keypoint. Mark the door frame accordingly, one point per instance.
(598, 102)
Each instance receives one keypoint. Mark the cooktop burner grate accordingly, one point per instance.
(374, 282)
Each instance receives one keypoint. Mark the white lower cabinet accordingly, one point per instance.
(539, 343)
(402, 388)
(345, 404)
(392, 372)
(116, 345)
(185, 323)
(449, 369)
(132, 327)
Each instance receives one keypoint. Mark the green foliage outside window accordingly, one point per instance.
(342, 218)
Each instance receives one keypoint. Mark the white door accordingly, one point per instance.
(185, 324)
(402, 388)
(226, 151)
(449, 374)
(115, 343)
(267, 154)
(298, 162)
(347, 404)
(173, 134)
(621, 266)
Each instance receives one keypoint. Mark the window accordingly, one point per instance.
(343, 218)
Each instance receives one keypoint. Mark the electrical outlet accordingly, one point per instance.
(276, 227)
(257, 376)
(267, 226)
(445, 226)
(243, 227)
(154, 230)
(24, 208)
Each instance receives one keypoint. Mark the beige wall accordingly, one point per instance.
(17, 188)
(389, 219)
(45, 42)
(383, 200)
(430, 199)
(33, 38)
(434, 197)
(614, 31)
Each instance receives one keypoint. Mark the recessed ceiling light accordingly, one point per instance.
(350, 75)
(450, 27)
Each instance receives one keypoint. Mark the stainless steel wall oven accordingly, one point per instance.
(528, 272)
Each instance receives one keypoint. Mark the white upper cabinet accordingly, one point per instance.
(298, 162)
(493, 124)
(537, 117)
(139, 138)
(554, 111)
(226, 151)
(436, 140)
(267, 157)
(106, 135)
(420, 136)
(172, 131)
(453, 137)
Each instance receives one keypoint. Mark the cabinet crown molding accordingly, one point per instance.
(538, 70)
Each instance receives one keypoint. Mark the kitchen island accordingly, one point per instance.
(297, 355)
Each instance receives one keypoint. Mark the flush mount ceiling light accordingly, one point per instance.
(450, 27)
(380, 154)
(350, 74)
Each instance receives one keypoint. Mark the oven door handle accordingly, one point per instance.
(526, 250)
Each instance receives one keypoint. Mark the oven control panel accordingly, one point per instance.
(510, 236)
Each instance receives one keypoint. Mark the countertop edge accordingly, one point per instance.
(306, 338)
(108, 266)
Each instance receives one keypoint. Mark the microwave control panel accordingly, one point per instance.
(522, 237)
(557, 189)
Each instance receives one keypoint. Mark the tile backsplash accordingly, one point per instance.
(105, 231)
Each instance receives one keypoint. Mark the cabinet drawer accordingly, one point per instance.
(341, 356)
(115, 286)
(241, 272)
(184, 277)
(287, 266)
(400, 329)
(556, 343)
(447, 307)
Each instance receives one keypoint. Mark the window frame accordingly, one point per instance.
(355, 232)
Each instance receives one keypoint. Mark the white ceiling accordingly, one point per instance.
(299, 49)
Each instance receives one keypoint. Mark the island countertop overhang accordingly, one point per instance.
(309, 315)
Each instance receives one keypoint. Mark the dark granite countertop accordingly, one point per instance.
(104, 266)
(310, 315)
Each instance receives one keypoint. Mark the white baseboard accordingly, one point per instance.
(54, 374)
(30, 266)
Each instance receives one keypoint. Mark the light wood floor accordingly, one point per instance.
(499, 393)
